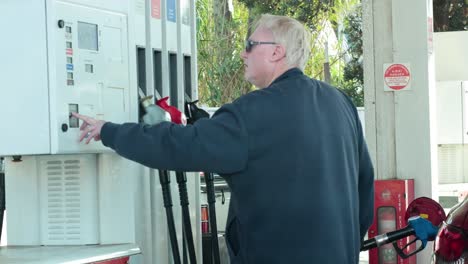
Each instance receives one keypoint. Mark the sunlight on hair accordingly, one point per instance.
(290, 33)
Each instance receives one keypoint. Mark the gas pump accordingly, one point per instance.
(70, 202)
(61, 194)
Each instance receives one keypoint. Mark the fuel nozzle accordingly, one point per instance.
(177, 116)
(424, 216)
(154, 114)
(193, 112)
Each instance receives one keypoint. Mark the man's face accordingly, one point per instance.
(257, 62)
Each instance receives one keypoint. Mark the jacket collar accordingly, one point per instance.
(287, 74)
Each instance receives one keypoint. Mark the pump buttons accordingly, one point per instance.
(61, 23)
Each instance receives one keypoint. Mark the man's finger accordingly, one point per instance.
(86, 132)
(83, 126)
(88, 128)
(91, 135)
(86, 119)
(76, 115)
(82, 136)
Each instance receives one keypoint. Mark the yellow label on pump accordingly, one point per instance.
(425, 216)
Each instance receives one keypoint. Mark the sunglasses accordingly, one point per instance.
(249, 44)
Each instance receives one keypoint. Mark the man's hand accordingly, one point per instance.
(91, 128)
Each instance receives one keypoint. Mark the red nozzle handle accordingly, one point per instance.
(176, 116)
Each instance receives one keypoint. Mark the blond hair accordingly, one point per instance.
(291, 34)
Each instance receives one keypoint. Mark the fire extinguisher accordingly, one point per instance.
(386, 223)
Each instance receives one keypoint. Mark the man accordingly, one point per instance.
(293, 154)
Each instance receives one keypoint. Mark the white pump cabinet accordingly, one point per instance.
(72, 58)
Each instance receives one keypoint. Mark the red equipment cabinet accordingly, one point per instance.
(123, 260)
(392, 197)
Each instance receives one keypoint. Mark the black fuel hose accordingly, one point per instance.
(194, 113)
(186, 224)
(2, 200)
(2, 196)
(387, 238)
(167, 199)
(210, 191)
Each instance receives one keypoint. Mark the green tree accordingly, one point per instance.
(220, 41)
(450, 15)
(353, 76)
(221, 34)
(309, 12)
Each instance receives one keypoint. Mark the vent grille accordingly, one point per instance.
(63, 200)
(451, 164)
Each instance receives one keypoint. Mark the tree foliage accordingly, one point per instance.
(221, 37)
(220, 41)
(450, 15)
(309, 12)
(353, 76)
(221, 34)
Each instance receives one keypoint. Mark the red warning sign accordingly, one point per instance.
(397, 77)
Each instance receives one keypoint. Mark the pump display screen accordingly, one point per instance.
(87, 36)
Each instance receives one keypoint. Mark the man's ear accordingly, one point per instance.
(278, 53)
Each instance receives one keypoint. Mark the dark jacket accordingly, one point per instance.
(295, 159)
